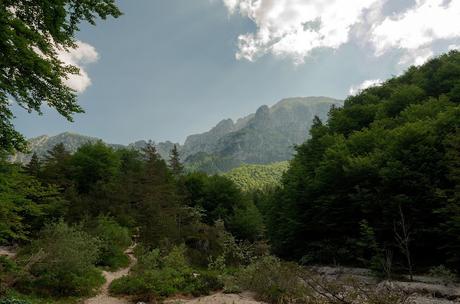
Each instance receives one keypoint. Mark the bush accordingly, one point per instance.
(63, 261)
(114, 239)
(204, 282)
(272, 280)
(9, 273)
(157, 276)
(444, 274)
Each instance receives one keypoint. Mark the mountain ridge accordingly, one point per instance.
(266, 136)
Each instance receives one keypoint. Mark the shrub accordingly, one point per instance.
(114, 239)
(203, 283)
(443, 273)
(272, 280)
(157, 276)
(9, 273)
(63, 261)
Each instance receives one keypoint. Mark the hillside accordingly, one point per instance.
(258, 177)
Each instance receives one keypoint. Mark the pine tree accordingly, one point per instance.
(159, 202)
(34, 166)
(174, 162)
(56, 167)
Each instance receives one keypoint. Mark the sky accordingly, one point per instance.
(170, 68)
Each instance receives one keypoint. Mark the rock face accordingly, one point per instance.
(267, 136)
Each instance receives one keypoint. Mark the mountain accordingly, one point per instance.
(72, 141)
(267, 136)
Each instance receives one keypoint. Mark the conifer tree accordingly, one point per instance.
(34, 166)
(174, 162)
(56, 166)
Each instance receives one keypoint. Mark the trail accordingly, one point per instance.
(8, 252)
(104, 297)
(219, 298)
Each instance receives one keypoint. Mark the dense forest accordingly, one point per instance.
(380, 178)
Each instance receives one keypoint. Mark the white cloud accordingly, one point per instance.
(419, 26)
(364, 85)
(296, 27)
(80, 56)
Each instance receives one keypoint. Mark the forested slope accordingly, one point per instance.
(258, 177)
(380, 178)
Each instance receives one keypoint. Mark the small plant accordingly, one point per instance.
(444, 274)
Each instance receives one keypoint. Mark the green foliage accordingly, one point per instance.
(221, 199)
(233, 253)
(174, 162)
(31, 34)
(12, 300)
(10, 272)
(210, 163)
(389, 147)
(157, 276)
(247, 222)
(217, 195)
(272, 280)
(92, 165)
(25, 203)
(258, 177)
(62, 261)
(114, 239)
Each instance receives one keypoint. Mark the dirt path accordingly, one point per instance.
(7, 251)
(219, 298)
(103, 297)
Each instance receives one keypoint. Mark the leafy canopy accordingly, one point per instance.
(32, 32)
